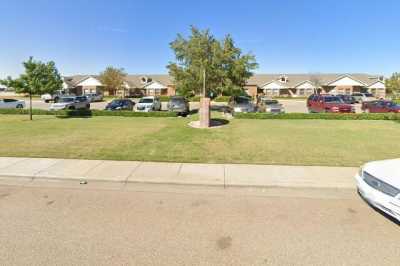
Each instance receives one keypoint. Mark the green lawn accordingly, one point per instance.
(289, 142)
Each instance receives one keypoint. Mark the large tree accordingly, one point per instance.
(223, 65)
(39, 78)
(113, 79)
(393, 84)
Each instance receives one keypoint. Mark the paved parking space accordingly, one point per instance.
(291, 106)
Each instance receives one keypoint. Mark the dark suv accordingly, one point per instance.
(328, 104)
(120, 104)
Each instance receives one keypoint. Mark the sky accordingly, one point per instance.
(286, 36)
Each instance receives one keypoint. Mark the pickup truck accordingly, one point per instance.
(54, 97)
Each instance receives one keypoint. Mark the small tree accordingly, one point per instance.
(201, 58)
(393, 84)
(39, 78)
(317, 82)
(113, 79)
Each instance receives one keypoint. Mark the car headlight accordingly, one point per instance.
(361, 172)
(380, 185)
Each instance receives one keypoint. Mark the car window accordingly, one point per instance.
(146, 100)
(242, 100)
(66, 100)
(9, 100)
(331, 99)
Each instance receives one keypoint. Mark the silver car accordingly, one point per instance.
(11, 103)
(268, 105)
(241, 104)
(94, 97)
(71, 103)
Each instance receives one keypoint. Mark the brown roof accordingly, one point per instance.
(293, 80)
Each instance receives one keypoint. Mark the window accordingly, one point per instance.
(283, 79)
(301, 92)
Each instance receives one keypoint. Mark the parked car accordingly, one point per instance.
(120, 105)
(269, 105)
(380, 106)
(71, 103)
(363, 97)
(11, 103)
(179, 105)
(328, 104)
(379, 184)
(94, 97)
(148, 104)
(241, 104)
(347, 98)
(54, 97)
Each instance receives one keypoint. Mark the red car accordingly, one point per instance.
(328, 104)
(381, 107)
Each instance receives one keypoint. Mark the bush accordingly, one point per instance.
(195, 99)
(164, 98)
(222, 99)
(86, 113)
(325, 116)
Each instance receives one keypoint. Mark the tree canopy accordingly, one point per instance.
(39, 78)
(393, 84)
(226, 67)
(113, 78)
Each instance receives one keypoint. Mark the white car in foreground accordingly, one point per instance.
(379, 184)
(11, 104)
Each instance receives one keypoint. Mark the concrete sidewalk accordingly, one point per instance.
(178, 173)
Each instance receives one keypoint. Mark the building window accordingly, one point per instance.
(301, 92)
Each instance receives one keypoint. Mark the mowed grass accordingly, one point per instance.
(288, 142)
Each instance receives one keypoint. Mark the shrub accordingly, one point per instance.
(195, 99)
(221, 99)
(164, 98)
(325, 116)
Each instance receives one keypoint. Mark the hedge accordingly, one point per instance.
(221, 99)
(87, 113)
(323, 116)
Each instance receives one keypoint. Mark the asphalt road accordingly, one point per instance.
(166, 225)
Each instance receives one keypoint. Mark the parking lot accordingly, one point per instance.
(291, 106)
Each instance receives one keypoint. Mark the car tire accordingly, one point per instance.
(46, 101)
(71, 108)
(19, 106)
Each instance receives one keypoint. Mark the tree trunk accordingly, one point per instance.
(30, 106)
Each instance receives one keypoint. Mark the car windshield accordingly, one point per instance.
(66, 100)
(146, 100)
(391, 104)
(177, 100)
(116, 102)
(270, 102)
(242, 100)
(333, 99)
